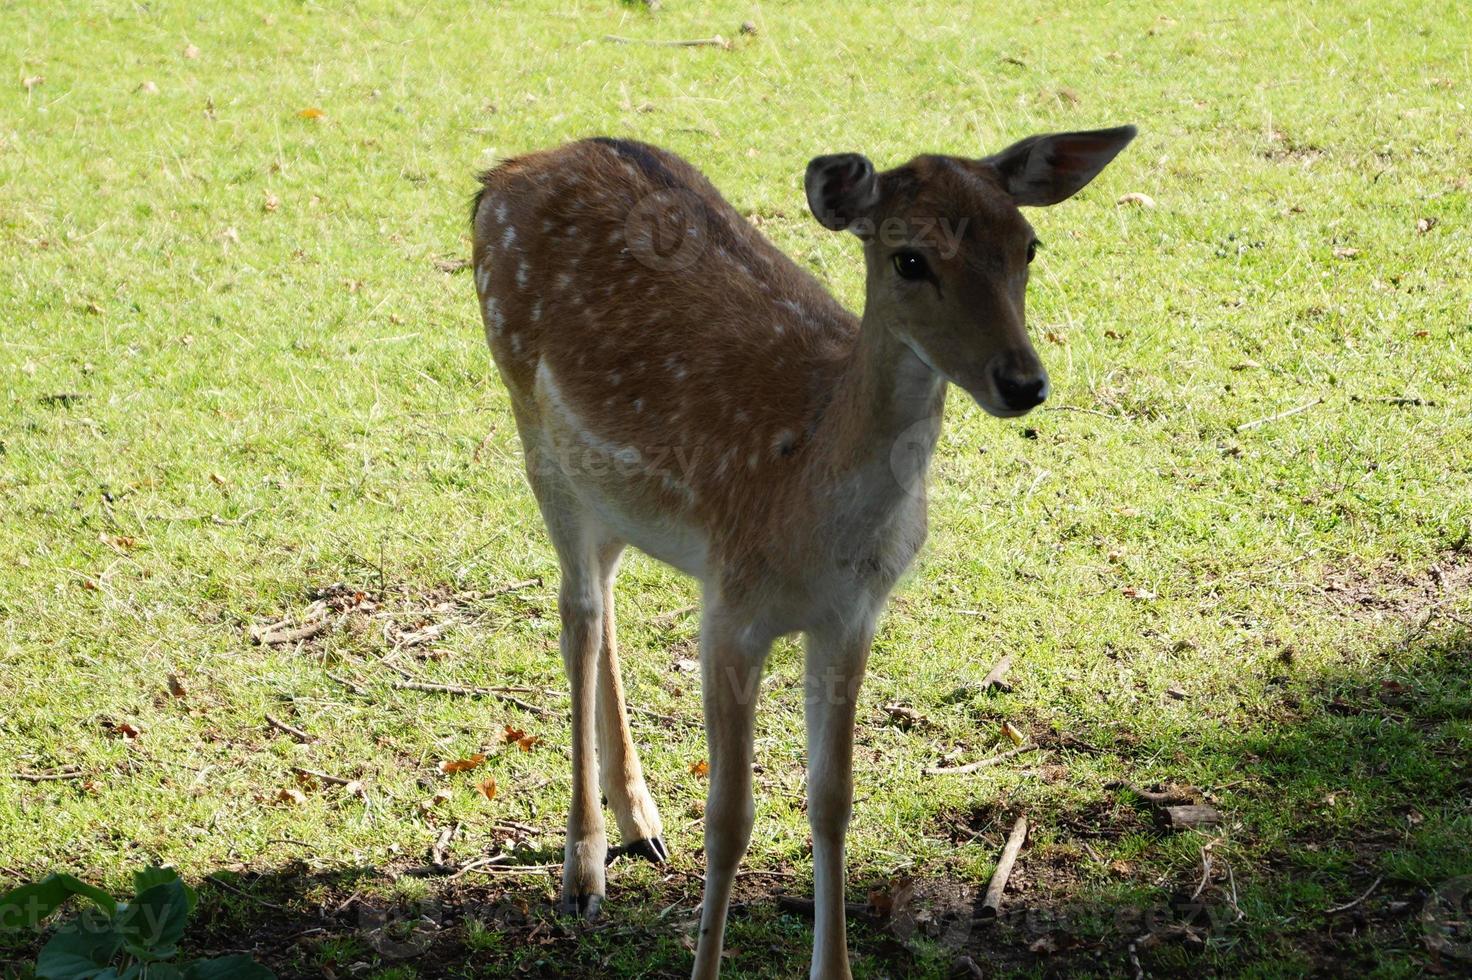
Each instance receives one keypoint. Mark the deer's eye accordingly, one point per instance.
(1032, 250)
(911, 265)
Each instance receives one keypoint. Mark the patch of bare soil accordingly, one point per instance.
(1390, 590)
(400, 618)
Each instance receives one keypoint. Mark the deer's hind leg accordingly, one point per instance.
(619, 771)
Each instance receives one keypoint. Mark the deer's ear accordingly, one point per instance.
(841, 189)
(1046, 169)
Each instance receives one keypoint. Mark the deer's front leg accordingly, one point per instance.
(581, 606)
(731, 666)
(835, 668)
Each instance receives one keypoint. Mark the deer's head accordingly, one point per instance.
(947, 251)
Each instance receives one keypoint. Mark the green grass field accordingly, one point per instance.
(238, 366)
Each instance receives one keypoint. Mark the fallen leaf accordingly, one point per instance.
(1424, 225)
(124, 730)
(487, 787)
(701, 768)
(1130, 592)
(451, 265)
(686, 665)
(191, 52)
(1346, 253)
(31, 81)
(527, 742)
(441, 795)
(176, 686)
(903, 716)
(1177, 692)
(311, 112)
(355, 788)
(1014, 733)
(147, 88)
(291, 796)
(462, 765)
(514, 734)
(271, 203)
(1137, 199)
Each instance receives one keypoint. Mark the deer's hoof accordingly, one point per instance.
(650, 849)
(585, 907)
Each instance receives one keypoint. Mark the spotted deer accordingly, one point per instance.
(682, 386)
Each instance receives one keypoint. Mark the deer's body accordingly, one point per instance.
(680, 385)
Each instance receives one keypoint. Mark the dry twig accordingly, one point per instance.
(990, 760)
(44, 777)
(1349, 905)
(991, 905)
(291, 730)
(1281, 415)
(714, 41)
(482, 692)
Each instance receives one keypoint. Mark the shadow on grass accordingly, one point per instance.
(1347, 851)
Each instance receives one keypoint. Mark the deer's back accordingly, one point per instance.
(698, 362)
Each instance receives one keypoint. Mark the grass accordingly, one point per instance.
(232, 373)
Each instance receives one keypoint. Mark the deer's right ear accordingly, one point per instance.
(842, 188)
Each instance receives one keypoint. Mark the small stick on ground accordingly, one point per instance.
(527, 583)
(667, 619)
(244, 894)
(1158, 797)
(44, 777)
(439, 851)
(275, 636)
(992, 904)
(291, 730)
(1349, 905)
(996, 678)
(1192, 817)
(1281, 415)
(990, 760)
(323, 776)
(715, 41)
(478, 692)
(804, 907)
(353, 686)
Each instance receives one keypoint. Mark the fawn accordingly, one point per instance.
(682, 386)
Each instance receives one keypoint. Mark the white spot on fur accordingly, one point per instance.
(751, 461)
(483, 277)
(516, 343)
(638, 404)
(508, 237)
(494, 320)
(536, 311)
(564, 280)
(521, 275)
(501, 212)
(614, 378)
(781, 442)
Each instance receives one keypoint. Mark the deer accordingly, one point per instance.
(680, 385)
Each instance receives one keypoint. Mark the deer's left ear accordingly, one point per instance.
(841, 189)
(1042, 170)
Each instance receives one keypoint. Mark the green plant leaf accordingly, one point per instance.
(151, 876)
(29, 905)
(227, 968)
(153, 923)
(162, 971)
(76, 886)
(80, 950)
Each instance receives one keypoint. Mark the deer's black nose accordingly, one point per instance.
(1019, 392)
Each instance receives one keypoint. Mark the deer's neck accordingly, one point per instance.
(882, 424)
